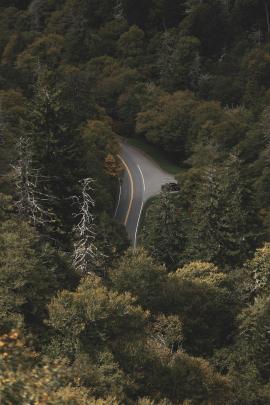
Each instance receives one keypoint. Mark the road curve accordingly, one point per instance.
(142, 179)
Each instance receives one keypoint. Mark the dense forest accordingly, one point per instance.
(184, 319)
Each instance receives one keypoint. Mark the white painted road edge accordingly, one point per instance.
(139, 217)
(132, 187)
(137, 227)
(142, 177)
(119, 198)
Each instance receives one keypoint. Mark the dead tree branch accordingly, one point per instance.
(85, 251)
(30, 201)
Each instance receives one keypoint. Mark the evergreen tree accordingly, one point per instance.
(208, 21)
(164, 231)
(226, 227)
(57, 150)
(131, 46)
(116, 67)
(31, 273)
(178, 62)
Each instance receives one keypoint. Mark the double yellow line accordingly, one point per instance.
(132, 188)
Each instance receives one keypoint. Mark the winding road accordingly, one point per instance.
(142, 179)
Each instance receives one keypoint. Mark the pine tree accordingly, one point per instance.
(57, 149)
(241, 224)
(178, 61)
(225, 226)
(164, 231)
(204, 241)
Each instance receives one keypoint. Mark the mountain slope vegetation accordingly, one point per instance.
(185, 318)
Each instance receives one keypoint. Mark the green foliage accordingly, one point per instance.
(26, 376)
(246, 362)
(183, 378)
(256, 70)
(226, 229)
(164, 231)
(64, 153)
(258, 269)
(187, 372)
(131, 46)
(102, 375)
(166, 13)
(168, 122)
(56, 149)
(179, 62)
(12, 111)
(248, 13)
(253, 332)
(167, 331)
(74, 74)
(109, 35)
(31, 273)
(129, 104)
(217, 132)
(195, 292)
(93, 317)
(207, 21)
(45, 50)
(201, 272)
(11, 18)
(75, 93)
(109, 79)
(111, 239)
(142, 277)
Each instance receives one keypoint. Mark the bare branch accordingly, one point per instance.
(27, 180)
(118, 11)
(85, 251)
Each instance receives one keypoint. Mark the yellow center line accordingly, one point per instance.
(132, 188)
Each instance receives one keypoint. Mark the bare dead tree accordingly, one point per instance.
(85, 251)
(118, 11)
(30, 201)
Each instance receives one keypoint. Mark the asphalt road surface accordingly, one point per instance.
(141, 180)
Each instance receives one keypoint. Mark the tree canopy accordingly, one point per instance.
(183, 319)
